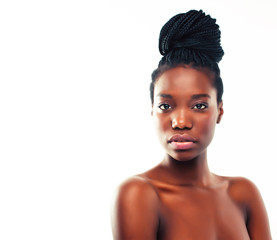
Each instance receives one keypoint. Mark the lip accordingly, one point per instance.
(181, 138)
(182, 142)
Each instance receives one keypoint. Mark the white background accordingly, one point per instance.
(75, 108)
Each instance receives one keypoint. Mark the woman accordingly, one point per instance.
(180, 198)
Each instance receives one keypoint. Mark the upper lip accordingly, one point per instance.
(182, 138)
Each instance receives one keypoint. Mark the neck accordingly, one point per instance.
(192, 172)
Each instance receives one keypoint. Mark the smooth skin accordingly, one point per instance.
(180, 199)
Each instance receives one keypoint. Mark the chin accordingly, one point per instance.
(183, 156)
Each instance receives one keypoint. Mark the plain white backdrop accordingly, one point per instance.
(75, 108)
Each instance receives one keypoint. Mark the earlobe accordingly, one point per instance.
(220, 112)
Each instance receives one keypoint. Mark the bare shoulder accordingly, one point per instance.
(246, 194)
(242, 189)
(135, 210)
(136, 187)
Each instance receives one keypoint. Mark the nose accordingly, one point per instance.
(181, 120)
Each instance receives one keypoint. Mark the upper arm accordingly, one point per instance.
(257, 220)
(135, 211)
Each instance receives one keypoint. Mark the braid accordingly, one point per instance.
(190, 38)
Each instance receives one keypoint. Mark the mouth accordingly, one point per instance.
(182, 142)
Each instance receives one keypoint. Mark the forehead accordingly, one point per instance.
(185, 81)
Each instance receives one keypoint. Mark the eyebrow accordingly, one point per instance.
(197, 96)
(193, 97)
(164, 95)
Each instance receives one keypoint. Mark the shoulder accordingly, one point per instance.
(135, 187)
(242, 189)
(239, 185)
(246, 194)
(135, 210)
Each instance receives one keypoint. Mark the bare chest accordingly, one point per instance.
(190, 213)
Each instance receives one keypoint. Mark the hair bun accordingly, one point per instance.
(191, 32)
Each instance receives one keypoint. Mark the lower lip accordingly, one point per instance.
(182, 145)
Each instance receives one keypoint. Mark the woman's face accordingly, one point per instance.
(185, 111)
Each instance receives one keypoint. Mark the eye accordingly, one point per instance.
(200, 106)
(164, 106)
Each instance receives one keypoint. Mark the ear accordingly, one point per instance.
(220, 112)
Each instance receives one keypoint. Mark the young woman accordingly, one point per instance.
(180, 199)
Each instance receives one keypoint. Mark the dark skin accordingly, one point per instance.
(180, 198)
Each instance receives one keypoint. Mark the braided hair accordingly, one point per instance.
(193, 39)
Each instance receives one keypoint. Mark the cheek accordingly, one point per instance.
(208, 124)
(161, 123)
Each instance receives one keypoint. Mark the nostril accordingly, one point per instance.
(181, 123)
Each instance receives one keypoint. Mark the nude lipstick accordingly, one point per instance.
(182, 142)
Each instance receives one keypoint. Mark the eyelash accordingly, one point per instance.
(198, 106)
(163, 105)
(201, 105)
